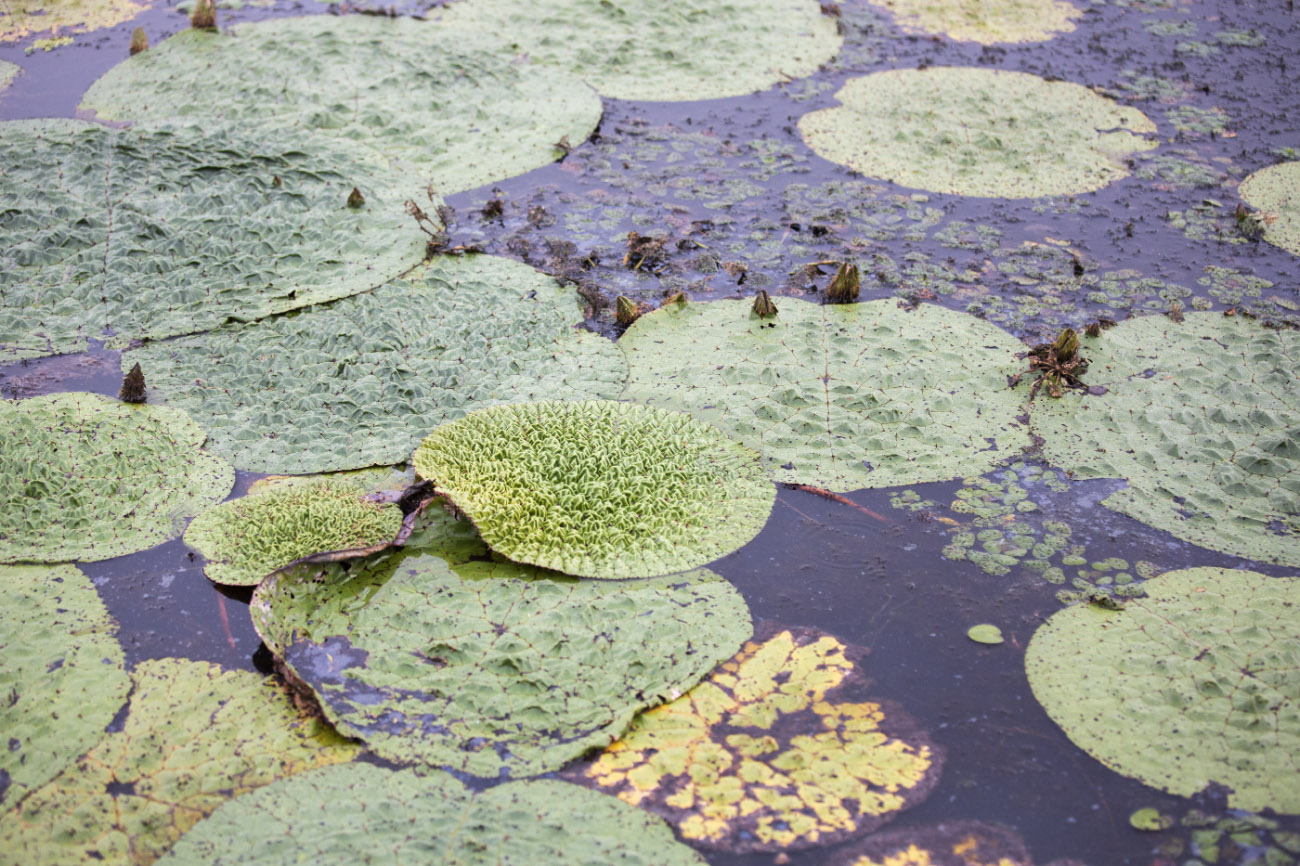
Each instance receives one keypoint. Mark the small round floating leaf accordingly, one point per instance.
(978, 132)
(599, 489)
(361, 381)
(987, 22)
(1196, 683)
(841, 396)
(1275, 192)
(985, 633)
(1150, 820)
(22, 19)
(759, 758)
(953, 843)
(61, 673)
(85, 477)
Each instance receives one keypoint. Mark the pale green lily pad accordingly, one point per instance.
(194, 737)
(8, 72)
(1276, 192)
(978, 132)
(1150, 820)
(21, 18)
(840, 396)
(1201, 418)
(491, 668)
(453, 109)
(985, 633)
(361, 381)
(599, 489)
(85, 477)
(651, 50)
(61, 672)
(987, 22)
(217, 223)
(1198, 682)
(354, 814)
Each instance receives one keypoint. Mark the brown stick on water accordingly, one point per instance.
(835, 497)
(225, 620)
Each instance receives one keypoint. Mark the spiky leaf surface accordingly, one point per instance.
(1202, 419)
(1275, 191)
(987, 22)
(1197, 682)
(18, 20)
(597, 488)
(85, 477)
(840, 396)
(361, 381)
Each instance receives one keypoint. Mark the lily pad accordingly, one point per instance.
(837, 396)
(1150, 820)
(1197, 683)
(218, 223)
(61, 672)
(759, 758)
(978, 132)
(953, 843)
(1201, 418)
(1276, 191)
(599, 489)
(985, 22)
(85, 477)
(985, 633)
(647, 49)
(452, 108)
(360, 382)
(357, 813)
(491, 668)
(194, 737)
(22, 18)
(8, 72)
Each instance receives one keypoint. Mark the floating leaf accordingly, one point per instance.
(361, 381)
(195, 736)
(1201, 418)
(978, 132)
(843, 396)
(756, 758)
(451, 107)
(61, 674)
(1150, 820)
(599, 489)
(217, 223)
(85, 477)
(1197, 682)
(357, 813)
(8, 72)
(953, 843)
(1275, 191)
(985, 22)
(18, 20)
(985, 633)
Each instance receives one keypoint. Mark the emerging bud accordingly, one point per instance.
(763, 306)
(133, 386)
(1066, 345)
(844, 287)
(139, 41)
(204, 15)
(675, 298)
(355, 198)
(627, 311)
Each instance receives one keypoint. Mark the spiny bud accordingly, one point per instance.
(1066, 345)
(676, 298)
(845, 286)
(204, 15)
(139, 41)
(626, 310)
(132, 386)
(763, 306)
(355, 198)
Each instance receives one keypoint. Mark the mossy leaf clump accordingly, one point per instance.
(1196, 683)
(219, 223)
(357, 813)
(61, 673)
(18, 20)
(598, 488)
(760, 757)
(453, 109)
(194, 737)
(360, 382)
(85, 477)
(986, 22)
(1275, 192)
(978, 132)
(1201, 418)
(839, 396)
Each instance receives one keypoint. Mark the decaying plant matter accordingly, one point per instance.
(1058, 364)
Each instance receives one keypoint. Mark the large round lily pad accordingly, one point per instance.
(85, 477)
(838, 396)
(340, 816)
(598, 488)
(454, 109)
(986, 21)
(1201, 418)
(22, 18)
(490, 668)
(118, 234)
(760, 757)
(979, 132)
(1276, 191)
(1198, 682)
(61, 673)
(360, 382)
(649, 49)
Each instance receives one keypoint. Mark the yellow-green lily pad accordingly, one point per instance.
(22, 18)
(1275, 192)
(986, 22)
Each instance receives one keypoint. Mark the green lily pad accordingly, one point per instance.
(985, 633)
(85, 477)
(1197, 682)
(839, 396)
(450, 107)
(1276, 191)
(1201, 418)
(357, 813)
(360, 382)
(218, 223)
(8, 72)
(491, 668)
(1150, 820)
(979, 132)
(18, 20)
(647, 49)
(984, 22)
(599, 489)
(195, 736)
(61, 672)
